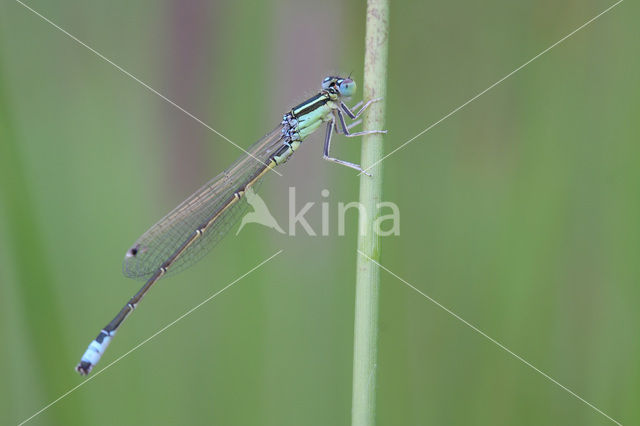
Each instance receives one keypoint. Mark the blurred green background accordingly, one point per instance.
(520, 213)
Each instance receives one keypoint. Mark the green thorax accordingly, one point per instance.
(313, 112)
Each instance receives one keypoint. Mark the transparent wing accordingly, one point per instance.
(164, 238)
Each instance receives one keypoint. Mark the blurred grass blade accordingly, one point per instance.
(33, 284)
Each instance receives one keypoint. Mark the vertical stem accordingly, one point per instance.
(365, 349)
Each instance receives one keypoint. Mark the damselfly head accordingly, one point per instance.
(345, 87)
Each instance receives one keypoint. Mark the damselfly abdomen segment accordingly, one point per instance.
(193, 228)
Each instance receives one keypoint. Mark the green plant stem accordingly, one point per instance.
(365, 349)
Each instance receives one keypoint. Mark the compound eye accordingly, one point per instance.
(347, 87)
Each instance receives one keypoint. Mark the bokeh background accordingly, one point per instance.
(520, 213)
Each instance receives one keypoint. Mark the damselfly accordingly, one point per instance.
(183, 236)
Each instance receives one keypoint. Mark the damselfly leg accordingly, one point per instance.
(353, 116)
(352, 125)
(327, 148)
(343, 125)
(344, 129)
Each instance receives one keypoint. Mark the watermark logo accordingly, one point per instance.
(260, 213)
(386, 216)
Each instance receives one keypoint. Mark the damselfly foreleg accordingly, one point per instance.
(352, 115)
